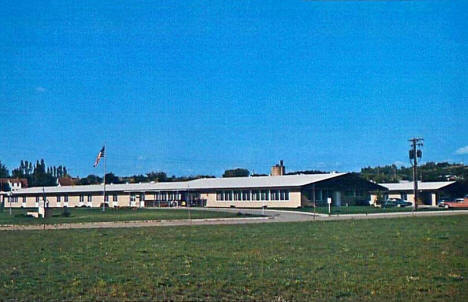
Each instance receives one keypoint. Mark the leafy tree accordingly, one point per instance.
(39, 174)
(90, 180)
(4, 171)
(4, 186)
(111, 178)
(157, 176)
(239, 172)
(306, 172)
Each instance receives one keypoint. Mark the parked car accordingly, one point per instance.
(457, 203)
(442, 202)
(403, 203)
(396, 202)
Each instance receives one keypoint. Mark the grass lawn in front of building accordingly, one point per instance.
(362, 209)
(80, 215)
(400, 259)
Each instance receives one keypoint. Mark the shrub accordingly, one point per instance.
(66, 212)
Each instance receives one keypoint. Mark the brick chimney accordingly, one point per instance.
(278, 169)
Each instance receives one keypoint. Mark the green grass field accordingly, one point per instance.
(364, 209)
(78, 215)
(402, 259)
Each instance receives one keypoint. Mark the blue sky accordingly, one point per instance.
(196, 87)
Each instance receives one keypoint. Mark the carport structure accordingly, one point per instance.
(429, 192)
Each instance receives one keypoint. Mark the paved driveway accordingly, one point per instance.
(292, 216)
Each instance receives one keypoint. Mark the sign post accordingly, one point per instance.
(329, 201)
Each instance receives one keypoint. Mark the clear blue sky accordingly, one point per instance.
(193, 87)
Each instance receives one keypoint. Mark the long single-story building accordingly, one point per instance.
(284, 191)
(429, 192)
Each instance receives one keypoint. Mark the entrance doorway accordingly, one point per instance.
(337, 198)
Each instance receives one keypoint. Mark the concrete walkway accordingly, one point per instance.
(270, 216)
(292, 216)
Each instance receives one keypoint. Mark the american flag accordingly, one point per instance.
(99, 156)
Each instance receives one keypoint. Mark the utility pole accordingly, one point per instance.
(415, 153)
(9, 199)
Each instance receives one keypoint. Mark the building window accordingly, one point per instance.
(115, 198)
(274, 195)
(255, 195)
(245, 195)
(90, 198)
(142, 197)
(318, 195)
(24, 199)
(132, 197)
(265, 195)
(81, 198)
(65, 198)
(228, 195)
(284, 195)
(404, 196)
(219, 195)
(237, 195)
(37, 199)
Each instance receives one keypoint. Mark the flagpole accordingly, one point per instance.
(104, 192)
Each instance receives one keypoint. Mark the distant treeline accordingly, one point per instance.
(148, 177)
(38, 174)
(427, 172)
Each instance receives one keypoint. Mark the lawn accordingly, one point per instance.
(94, 215)
(401, 259)
(362, 209)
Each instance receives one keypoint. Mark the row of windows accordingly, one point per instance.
(171, 196)
(89, 198)
(14, 199)
(254, 195)
(115, 198)
(60, 198)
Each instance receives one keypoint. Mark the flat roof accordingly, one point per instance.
(407, 186)
(197, 184)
